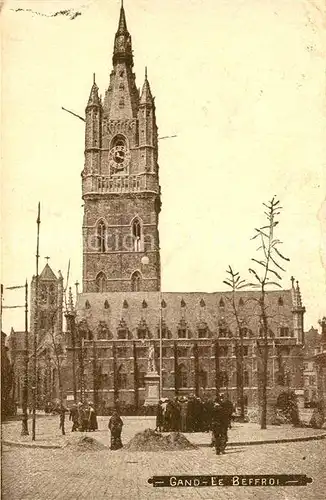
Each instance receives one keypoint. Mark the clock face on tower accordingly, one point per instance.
(119, 158)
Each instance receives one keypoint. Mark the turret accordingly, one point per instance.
(147, 129)
(297, 311)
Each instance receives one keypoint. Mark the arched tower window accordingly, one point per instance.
(137, 235)
(100, 282)
(101, 236)
(136, 282)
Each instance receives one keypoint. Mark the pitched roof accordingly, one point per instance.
(193, 307)
(47, 274)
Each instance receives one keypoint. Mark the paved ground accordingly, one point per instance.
(43, 474)
(48, 432)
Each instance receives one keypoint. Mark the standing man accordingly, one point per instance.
(219, 426)
(73, 416)
(228, 406)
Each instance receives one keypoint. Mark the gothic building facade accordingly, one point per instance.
(121, 308)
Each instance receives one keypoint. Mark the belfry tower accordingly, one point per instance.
(120, 181)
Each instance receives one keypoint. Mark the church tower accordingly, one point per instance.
(120, 181)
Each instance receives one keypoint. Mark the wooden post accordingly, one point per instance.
(217, 367)
(176, 368)
(196, 369)
(24, 431)
(34, 387)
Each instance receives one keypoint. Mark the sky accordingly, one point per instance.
(242, 86)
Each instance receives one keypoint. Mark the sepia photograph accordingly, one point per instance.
(163, 249)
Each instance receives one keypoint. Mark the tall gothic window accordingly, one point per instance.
(136, 282)
(137, 236)
(100, 282)
(183, 376)
(141, 376)
(101, 236)
(202, 378)
(122, 378)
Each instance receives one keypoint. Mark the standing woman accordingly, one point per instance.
(92, 420)
(115, 426)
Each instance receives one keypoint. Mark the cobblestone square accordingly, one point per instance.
(48, 474)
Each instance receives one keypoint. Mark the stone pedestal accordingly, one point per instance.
(300, 398)
(152, 384)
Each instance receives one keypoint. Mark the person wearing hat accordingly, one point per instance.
(219, 425)
(92, 420)
(115, 426)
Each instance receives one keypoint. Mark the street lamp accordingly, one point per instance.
(145, 262)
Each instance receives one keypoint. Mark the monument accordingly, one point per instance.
(152, 380)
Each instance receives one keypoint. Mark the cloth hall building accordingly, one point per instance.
(121, 310)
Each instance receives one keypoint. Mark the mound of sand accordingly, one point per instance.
(85, 443)
(150, 440)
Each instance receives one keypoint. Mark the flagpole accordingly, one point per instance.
(34, 387)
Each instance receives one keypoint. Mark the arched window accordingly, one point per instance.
(183, 376)
(100, 282)
(137, 235)
(224, 379)
(202, 376)
(43, 294)
(136, 282)
(246, 378)
(101, 236)
(52, 296)
(122, 378)
(141, 376)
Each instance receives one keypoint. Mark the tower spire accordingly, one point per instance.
(122, 42)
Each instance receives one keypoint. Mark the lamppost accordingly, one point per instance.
(145, 262)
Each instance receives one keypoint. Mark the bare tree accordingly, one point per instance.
(235, 282)
(267, 273)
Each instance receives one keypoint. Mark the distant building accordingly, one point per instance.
(50, 340)
(320, 363)
(312, 343)
(7, 395)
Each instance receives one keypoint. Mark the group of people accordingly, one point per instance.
(180, 414)
(188, 414)
(83, 417)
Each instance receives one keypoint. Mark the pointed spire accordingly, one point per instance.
(93, 96)
(146, 94)
(122, 42)
(70, 301)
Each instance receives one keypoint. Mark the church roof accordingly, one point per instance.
(193, 309)
(47, 274)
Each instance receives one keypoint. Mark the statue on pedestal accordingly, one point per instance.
(150, 360)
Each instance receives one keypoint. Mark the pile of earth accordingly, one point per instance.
(85, 443)
(150, 440)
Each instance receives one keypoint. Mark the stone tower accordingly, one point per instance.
(50, 303)
(120, 181)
